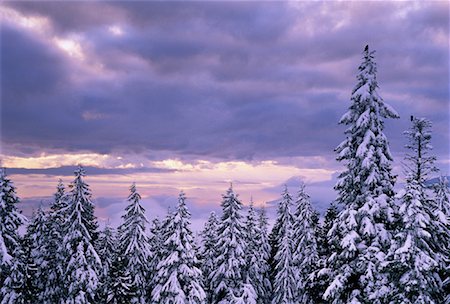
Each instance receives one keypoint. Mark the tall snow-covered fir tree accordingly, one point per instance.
(442, 199)
(365, 192)
(12, 264)
(178, 280)
(284, 284)
(209, 252)
(119, 287)
(116, 280)
(13, 290)
(264, 290)
(229, 276)
(54, 254)
(278, 229)
(305, 251)
(31, 290)
(107, 243)
(159, 232)
(252, 252)
(155, 242)
(83, 263)
(37, 238)
(134, 245)
(325, 249)
(415, 257)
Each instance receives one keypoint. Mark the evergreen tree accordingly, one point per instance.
(178, 280)
(209, 252)
(12, 264)
(107, 243)
(305, 254)
(118, 286)
(276, 235)
(265, 287)
(365, 192)
(284, 285)
(251, 251)
(229, 276)
(37, 239)
(31, 289)
(134, 245)
(83, 267)
(159, 232)
(325, 249)
(324, 246)
(13, 290)
(155, 243)
(54, 254)
(442, 193)
(415, 257)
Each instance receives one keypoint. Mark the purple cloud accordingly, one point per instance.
(218, 80)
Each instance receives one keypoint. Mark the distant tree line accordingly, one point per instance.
(374, 245)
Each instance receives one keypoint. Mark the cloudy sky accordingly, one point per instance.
(194, 95)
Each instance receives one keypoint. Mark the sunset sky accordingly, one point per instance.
(195, 95)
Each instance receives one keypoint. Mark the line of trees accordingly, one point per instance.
(374, 245)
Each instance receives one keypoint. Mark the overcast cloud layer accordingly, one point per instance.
(237, 80)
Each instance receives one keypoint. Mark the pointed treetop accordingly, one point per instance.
(79, 171)
(366, 48)
(302, 186)
(285, 195)
(182, 194)
(182, 198)
(134, 195)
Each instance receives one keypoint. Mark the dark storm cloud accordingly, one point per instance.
(236, 80)
(29, 67)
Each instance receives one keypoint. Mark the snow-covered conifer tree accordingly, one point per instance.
(84, 265)
(178, 280)
(305, 252)
(326, 248)
(276, 235)
(365, 192)
(119, 285)
(442, 201)
(229, 275)
(442, 194)
(12, 264)
(37, 238)
(209, 252)
(54, 254)
(252, 250)
(134, 245)
(265, 287)
(31, 289)
(155, 243)
(284, 284)
(13, 289)
(415, 257)
(107, 243)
